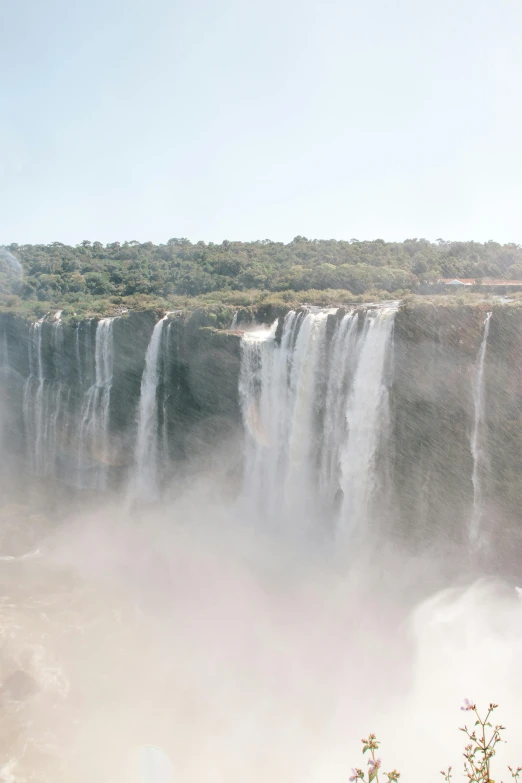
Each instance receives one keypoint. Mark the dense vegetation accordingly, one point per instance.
(92, 277)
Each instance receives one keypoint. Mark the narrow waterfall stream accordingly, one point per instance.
(165, 444)
(5, 351)
(144, 478)
(93, 440)
(341, 366)
(366, 419)
(33, 398)
(309, 348)
(478, 442)
(43, 400)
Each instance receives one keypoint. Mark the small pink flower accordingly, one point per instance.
(467, 706)
(374, 765)
(355, 776)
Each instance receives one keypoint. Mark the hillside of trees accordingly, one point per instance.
(91, 276)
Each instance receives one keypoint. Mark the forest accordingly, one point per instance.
(92, 277)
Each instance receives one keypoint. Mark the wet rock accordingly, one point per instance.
(19, 686)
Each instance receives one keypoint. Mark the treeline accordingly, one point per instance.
(59, 273)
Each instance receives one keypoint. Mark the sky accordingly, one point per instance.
(260, 119)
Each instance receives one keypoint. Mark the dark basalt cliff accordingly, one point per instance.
(432, 415)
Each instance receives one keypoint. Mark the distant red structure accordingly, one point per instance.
(487, 281)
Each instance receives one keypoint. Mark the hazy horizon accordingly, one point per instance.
(286, 241)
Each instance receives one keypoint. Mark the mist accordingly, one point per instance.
(11, 272)
(241, 655)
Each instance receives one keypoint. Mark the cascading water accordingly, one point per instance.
(305, 442)
(164, 405)
(313, 391)
(366, 416)
(262, 422)
(93, 441)
(33, 394)
(77, 355)
(56, 394)
(5, 352)
(299, 486)
(44, 395)
(341, 365)
(144, 482)
(314, 411)
(477, 445)
(278, 393)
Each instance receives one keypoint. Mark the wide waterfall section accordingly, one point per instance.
(314, 404)
(33, 396)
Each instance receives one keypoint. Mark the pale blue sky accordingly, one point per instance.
(253, 119)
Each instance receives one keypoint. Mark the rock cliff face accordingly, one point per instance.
(47, 371)
(436, 352)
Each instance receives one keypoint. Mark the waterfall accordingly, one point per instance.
(299, 489)
(33, 400)
(77, 355)
(477, 436)
(366, 418)
(281, 397)
(255, 386)
(55, 397)
(341, 365)
(144, 482)
(34, 408)
(5, 352)
(45, 395)
(93, 440)
(4, 381)
(315, 411)
(165, 445)
(270, 385)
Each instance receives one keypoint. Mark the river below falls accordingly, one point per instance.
(242, 656)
